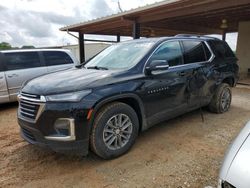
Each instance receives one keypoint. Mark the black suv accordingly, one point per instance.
(124, 90)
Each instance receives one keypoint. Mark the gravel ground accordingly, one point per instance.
(183, 152)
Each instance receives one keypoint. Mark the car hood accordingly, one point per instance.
(68, 81)
(236, 166)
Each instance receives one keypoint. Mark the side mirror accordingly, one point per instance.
(157, 65)
(79, 66)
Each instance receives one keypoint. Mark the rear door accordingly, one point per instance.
(222, 65)
(20, 67)
(57, 60)
(4, 95)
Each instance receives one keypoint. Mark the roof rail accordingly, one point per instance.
(195, 36)
(188, 35)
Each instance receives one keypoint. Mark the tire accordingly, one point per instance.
(221, 100)
(111, 137)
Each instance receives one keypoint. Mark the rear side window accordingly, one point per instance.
(22, 60)
(221, 49)
(193, 51)
(57, 58)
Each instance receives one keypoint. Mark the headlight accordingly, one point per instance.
(68, 97)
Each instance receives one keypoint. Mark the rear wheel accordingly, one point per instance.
(221, 100)
(114, 130)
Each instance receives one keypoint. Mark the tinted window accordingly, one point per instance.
(22, 60)
(170, 51)
(221, 49)
(1, 62)
(208, 54)
(193, 51)
(56, 58)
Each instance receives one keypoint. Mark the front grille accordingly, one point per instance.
(30, 95)
(30, 106)
(28, 109)
(28, 134)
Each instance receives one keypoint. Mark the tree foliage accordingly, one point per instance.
(5, 46)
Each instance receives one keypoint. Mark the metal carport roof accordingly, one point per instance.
(170, 17)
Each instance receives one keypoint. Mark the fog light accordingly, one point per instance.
(62, 127)
(64, 130)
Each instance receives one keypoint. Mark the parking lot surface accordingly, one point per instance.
(183, 152)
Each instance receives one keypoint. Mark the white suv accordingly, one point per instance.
(18, 66)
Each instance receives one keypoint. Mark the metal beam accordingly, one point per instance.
(96, 40)
(184, 27)
(105, 25)
(81, 47)
(224, 33)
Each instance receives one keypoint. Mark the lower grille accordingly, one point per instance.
(28, 134)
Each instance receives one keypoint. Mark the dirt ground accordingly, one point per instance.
(183, 152)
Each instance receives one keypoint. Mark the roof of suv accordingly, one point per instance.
(180, 36)
(33, 50)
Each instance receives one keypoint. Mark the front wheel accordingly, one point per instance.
(221, 100)
(114, 130)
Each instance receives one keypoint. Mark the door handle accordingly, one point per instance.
(182, 74)
(12, 75)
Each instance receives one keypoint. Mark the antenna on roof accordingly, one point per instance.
(119, 6)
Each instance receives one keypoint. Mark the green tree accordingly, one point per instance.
(5, 46)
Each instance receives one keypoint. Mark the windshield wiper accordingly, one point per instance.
(97, 68)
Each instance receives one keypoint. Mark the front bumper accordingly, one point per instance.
(35, 137)
(41, 130)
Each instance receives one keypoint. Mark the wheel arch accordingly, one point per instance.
(130, 99)
(229, 80)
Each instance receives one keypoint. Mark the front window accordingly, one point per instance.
(120, 56)
(170, 51)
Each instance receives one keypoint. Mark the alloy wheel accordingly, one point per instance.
(225, 99)
(117, 131)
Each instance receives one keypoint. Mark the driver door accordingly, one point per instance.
(165, 91)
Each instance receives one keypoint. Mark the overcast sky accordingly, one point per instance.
(37, 22)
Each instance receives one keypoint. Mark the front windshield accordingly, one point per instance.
(121, 56)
